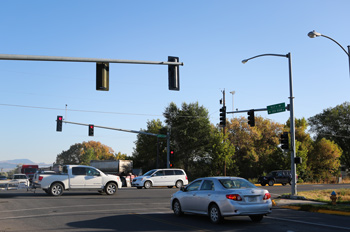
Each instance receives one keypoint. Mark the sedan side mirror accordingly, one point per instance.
(182, 189)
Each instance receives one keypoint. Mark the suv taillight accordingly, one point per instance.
(186, 178)
(41, 178)
(267, 196)
(234, 197)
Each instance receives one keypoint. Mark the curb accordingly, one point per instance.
(325, 211)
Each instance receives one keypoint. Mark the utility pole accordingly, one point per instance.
(224, 126)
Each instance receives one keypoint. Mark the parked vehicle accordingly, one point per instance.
(29, 170)
(220, 197)
(19, 181)
(22, 179)
(161, 177)
(279, 176)
(3, 178)
(121, 168)
(77, 177)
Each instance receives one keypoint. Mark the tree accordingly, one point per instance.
(256, 148)
(145, 153)
(303, 146)
(82, 153)
(334, 124)
(221, 159)
(324, 160)
(120, 156)
(190, 135)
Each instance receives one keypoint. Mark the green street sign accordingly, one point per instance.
(161, 136)
(277, 108)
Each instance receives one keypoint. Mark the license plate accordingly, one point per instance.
(251, 199)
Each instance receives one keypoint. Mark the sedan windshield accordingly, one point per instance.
(236, 183)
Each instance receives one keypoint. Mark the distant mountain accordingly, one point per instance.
(7, 165)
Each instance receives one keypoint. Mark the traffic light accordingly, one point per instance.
(223, 116)
(91, 130)
(171, 155)
(102, 76)
(59, 123)
(173, 74)
(285, 141)
(251, 118)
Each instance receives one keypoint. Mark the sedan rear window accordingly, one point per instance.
(236, 183)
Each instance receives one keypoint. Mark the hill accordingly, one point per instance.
(7, 165)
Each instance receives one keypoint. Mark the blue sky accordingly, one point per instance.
(210, 37)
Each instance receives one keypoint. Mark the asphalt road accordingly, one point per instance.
(132, 209)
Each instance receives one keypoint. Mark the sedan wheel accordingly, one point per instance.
(177, 208)
(111, 189)
(214, 214)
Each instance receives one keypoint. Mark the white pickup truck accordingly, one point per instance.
(76, 177)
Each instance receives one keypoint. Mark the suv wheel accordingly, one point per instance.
(271, 182)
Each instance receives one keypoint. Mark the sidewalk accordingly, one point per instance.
(296, 204)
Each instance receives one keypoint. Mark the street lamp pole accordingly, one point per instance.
(292, 119)
(314, 34)
(232, 92)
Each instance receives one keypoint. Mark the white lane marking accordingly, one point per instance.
(117, 211)
(75, 206)
(309, 223)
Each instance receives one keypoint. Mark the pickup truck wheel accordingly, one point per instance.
(271, 182)
(111, 188)
(56, 189)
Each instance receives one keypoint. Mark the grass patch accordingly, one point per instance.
(343, 200)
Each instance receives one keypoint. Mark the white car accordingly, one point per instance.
(161, 177)
(22, 179)
(220, 197)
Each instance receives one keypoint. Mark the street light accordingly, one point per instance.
(314, 34)
(292, 120)
(232, 92)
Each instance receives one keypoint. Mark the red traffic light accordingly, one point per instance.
(91, 130)
(59, 123)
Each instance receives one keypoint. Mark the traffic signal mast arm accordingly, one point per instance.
(243, 111)
(111, 128)
(77, 59)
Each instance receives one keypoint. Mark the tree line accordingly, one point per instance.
(202, 149)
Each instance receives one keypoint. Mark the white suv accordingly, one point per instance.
(161, 177)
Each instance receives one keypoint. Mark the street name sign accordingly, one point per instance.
(277, 108)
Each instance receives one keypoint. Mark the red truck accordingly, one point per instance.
(29, 170)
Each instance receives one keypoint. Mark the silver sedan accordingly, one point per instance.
(220, 197)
